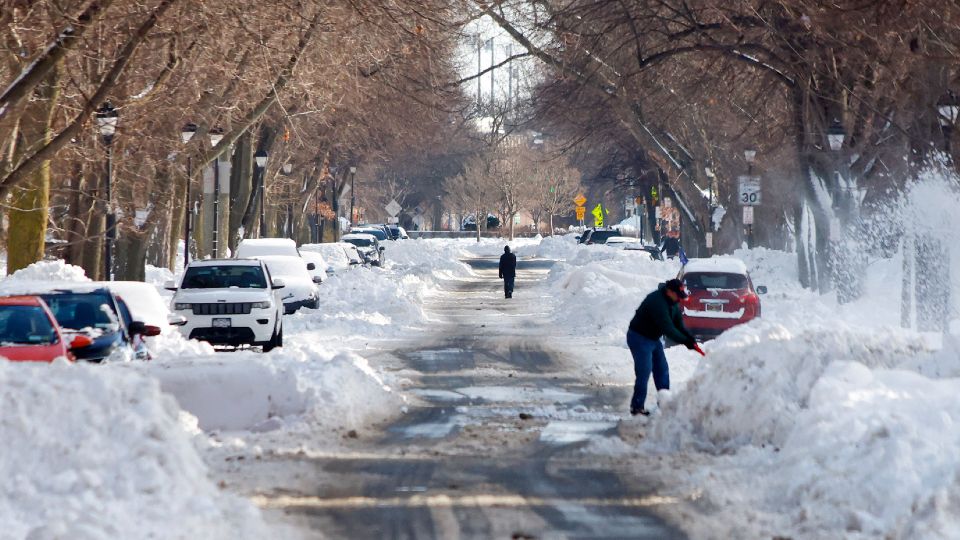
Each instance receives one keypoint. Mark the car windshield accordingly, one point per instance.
(715, 280)
(359, 242)
(25, 325)
(223, 277)
(601, 236)
(78, 311)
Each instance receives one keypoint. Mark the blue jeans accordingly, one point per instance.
(647, 356)
(508, 285)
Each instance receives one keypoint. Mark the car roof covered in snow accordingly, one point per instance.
(726, 265)
(362, 236)
(623, 239)
(226, 262)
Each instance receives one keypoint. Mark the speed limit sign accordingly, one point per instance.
(749, 192)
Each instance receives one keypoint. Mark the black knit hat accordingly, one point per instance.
(677, 286)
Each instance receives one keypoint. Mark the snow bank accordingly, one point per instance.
(49, 271)
(304, 384)
(100, 453)
(758, 377)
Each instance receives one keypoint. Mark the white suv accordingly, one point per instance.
(230, 302)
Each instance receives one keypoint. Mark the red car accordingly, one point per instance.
(29, 332)
(721, 295)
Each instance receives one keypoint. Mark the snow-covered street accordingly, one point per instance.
(419, 403)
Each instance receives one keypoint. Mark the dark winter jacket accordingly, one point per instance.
(658, 316)
(508, 265)
(671, 245)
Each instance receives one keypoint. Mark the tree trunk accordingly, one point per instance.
(76, 217)
(241, 188)
(29, 202)
(131, 249)
(93, 244)
(178, 212)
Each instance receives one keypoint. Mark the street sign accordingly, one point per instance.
(667, 203)
(748, 215)
(393, 220)
(393, 207)
(749, 190)
(581, 211)
(597, 215)
(579, 200)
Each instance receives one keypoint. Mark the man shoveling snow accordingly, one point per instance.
(658, 315)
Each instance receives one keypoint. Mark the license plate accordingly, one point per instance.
(713, 307)
(221, 323)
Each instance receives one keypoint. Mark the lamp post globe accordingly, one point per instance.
(261, 158)
(187, 132)
(107, 119)
(216, 135)
(949, 109)
(836, 135)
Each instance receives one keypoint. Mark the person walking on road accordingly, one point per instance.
(658, 315)
(671, 244)
(508, 271)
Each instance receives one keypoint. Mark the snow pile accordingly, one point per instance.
(758, 377)
(598, 288)
(100, 453)
(364, 302)
(42, 273)
(302, 385)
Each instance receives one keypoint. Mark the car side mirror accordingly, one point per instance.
(176, 320)
(137, 327)
(279, 283)
(170, 285)
(311, 267)
(317, 279)
(80, 342)
(762, 289)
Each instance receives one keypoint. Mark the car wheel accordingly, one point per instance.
(276, 340)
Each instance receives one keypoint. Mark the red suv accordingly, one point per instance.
(721, 295)
(29, 332)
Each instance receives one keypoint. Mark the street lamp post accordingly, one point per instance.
(216, 135)
(711, 204)
(186, 133)
(261, 159)
(107, 119)
(353, 193)
(750, 155)
(288, 226)
(948, 108)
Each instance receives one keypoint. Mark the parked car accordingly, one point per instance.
(398, 233)
(378, 232)
(139, 301)
(598, 235)
(620, 242)
(93, 310)
(336, 254)
(317, 265)
(368, 245)
(257, 247)
(230, 302)
(301, 288)
(29, 332)
(721, 295)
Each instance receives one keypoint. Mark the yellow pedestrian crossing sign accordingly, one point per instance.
(597, 215)
(579, 200)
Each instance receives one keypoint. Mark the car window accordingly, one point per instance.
(286, 267)
(222, 277)
(83, 310)
(25, 325)
(359, 242)
(715, 280)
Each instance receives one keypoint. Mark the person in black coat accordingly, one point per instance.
(658, 315)
(508, 271)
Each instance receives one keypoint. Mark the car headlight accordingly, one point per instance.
(179, 306)
(262, 305)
